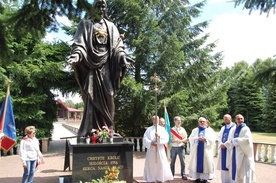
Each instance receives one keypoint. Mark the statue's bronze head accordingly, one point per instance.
(99, 1)
(99, 7)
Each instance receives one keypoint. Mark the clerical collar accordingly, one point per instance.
(229, 125)
(241, 125)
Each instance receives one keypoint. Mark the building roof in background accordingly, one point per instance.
(69, 109)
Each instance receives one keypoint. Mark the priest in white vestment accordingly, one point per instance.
(240, 157)
(223, 137)
(202, 142)
(157, 167)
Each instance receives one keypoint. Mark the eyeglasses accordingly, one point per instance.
(202, 121)
(34, 133)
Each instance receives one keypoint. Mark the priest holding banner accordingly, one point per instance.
(157, 168)
(202, 141)
(179, 138)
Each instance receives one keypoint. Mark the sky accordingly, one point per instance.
(240, 36)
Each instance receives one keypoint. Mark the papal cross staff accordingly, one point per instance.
(155, 78)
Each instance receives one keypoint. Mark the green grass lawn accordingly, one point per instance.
(264, 137)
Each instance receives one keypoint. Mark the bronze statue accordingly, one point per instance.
(99, 62)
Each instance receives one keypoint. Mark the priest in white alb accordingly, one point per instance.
(224, 135)
(157, 167)
(202, 142)
(240, 156)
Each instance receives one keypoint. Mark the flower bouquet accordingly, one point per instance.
(111, 176)
(104, 134)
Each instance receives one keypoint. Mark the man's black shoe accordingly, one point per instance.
(197, 180)
(184, 177)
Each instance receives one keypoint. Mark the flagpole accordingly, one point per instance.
(5, 107)
(4, 110)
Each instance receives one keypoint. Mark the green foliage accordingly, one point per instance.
(246, 98)
(269, 120)
(162, 38)
(265, 78)
(265, 71)
(37, 68)
(111, 176)
(70, 103)
(263, 6)
(79, 105)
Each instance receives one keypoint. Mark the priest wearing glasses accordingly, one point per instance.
(202, 141)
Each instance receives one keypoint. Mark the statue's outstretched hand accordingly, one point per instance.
(73, 58)
(128, 63)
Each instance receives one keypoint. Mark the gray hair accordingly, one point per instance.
(176, 118)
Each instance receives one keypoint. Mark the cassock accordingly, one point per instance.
(224, 135)
(201, 164)
(157, 167)
(240, 158)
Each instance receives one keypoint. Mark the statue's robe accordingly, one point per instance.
(98, 73)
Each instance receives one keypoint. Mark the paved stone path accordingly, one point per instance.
(11, 167)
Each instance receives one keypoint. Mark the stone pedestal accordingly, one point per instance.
(90, 161)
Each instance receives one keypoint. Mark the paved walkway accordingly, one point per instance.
(11, 167)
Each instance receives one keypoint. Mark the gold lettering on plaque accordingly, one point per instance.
(93, 163)
(103, 167)
(88, 168)
(95, 158)
(113, 157)
(114, 162)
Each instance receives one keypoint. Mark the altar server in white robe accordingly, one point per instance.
(202, 142)
(240, 157)
(157, 167)
(222, 151)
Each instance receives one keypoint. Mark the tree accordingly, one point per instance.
(37, 68)
(162, 39)
(269, 120)
(160, 36)
(263, 6)
(265, 72)
(245, 97)
(265, 79)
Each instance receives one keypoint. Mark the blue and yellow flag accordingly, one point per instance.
(168, 124)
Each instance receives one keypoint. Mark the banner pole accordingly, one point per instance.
(155, 79)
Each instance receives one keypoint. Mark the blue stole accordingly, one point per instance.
(224, 151)
(200, 151)
(234, 163)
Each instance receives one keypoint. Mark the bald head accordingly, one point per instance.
(227, 119)
(155, 119)
(239, 119)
